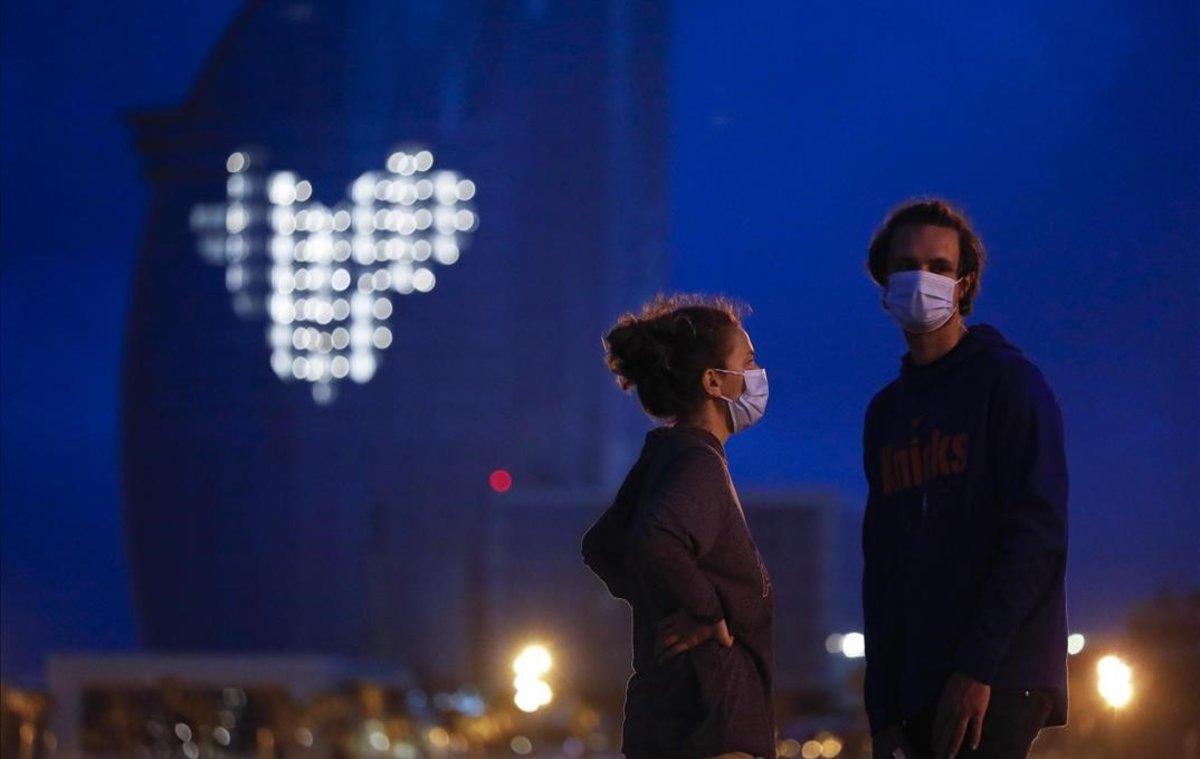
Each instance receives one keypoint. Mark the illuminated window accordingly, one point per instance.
(324, 278)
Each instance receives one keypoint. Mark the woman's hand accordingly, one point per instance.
(679, 632)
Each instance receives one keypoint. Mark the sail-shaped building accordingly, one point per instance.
(383, 241)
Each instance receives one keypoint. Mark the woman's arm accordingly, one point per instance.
(684, 517)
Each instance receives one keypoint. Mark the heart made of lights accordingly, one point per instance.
(324, 277)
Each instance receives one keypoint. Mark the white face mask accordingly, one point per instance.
(750, 406)
(920, 301)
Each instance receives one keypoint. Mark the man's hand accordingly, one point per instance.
(679, 632)
(890, 743)
(963, 703)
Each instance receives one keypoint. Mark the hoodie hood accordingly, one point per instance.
(982, 338)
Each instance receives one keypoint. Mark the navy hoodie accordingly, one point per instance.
(965, 532)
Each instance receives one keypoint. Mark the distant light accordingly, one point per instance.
(183, 732)
(1114, 681)
(438, 737)
(789, 748)
(830, 747)
(366, 244)
(1075, 643)
(379, 741)
(500, 480)
(833, 644)
(811, 750)
(221, 736)
(236, 162)
(521, 745)
(854, 645)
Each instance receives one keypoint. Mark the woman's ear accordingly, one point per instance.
(711, 382)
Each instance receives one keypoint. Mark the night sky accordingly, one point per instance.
(1070, 135)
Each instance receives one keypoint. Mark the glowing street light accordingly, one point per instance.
(530, 666)
(1114, 681)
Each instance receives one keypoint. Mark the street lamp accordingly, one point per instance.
(1114, 681)
(530, 666)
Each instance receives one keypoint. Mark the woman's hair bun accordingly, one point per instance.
(663, 350)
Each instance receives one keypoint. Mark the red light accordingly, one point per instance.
(500, 480)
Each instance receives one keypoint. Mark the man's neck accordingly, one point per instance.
(711, 418)
(929, 347)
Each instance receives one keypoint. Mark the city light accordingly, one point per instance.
(270, 232)
(1114, 681)
(1075, 643)
(851, 645)
(530, 667)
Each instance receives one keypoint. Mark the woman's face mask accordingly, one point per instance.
(920, 301)
(749, 407)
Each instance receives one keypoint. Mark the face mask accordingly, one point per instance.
(750, 406)
(920, 301)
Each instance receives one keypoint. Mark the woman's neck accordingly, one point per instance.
(712, 417)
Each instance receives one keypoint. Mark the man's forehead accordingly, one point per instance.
(924, 238)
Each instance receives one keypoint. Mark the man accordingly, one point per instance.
(965, 532)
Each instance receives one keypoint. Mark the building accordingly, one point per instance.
(268, 515)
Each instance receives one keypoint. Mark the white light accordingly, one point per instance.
(423, 280)
(379, 741)
(183, 732)
(339, 367)
(349, 259)
(237, 162)
(381, 309)
(237, 218)
(1075, 643)
(381, 338)
(221, 735)
(533, 661)
(362, 367)
(854, 645)
(1115, 681)
(340, 280)
(340, 338)
(833, 644)
(281, 188)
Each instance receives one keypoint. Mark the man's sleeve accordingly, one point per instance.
(1031, 544)
(681, 526)
(881, 612)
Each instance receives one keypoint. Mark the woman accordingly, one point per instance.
(675, 543)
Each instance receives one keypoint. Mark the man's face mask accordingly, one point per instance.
(749, 407)
(920, 301)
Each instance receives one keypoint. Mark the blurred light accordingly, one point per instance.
(369, 241)
(520, 745)
(221, 736)
(789, 748)
(183, 732)
(237, 162)
(833, 644)
(438, 737)
(811, 750)
(379, 741)
(304, 737)
(1114, 681)
(830, 747)
(500, 480)
(1075, 643)
(533, 661)
(854, 645)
